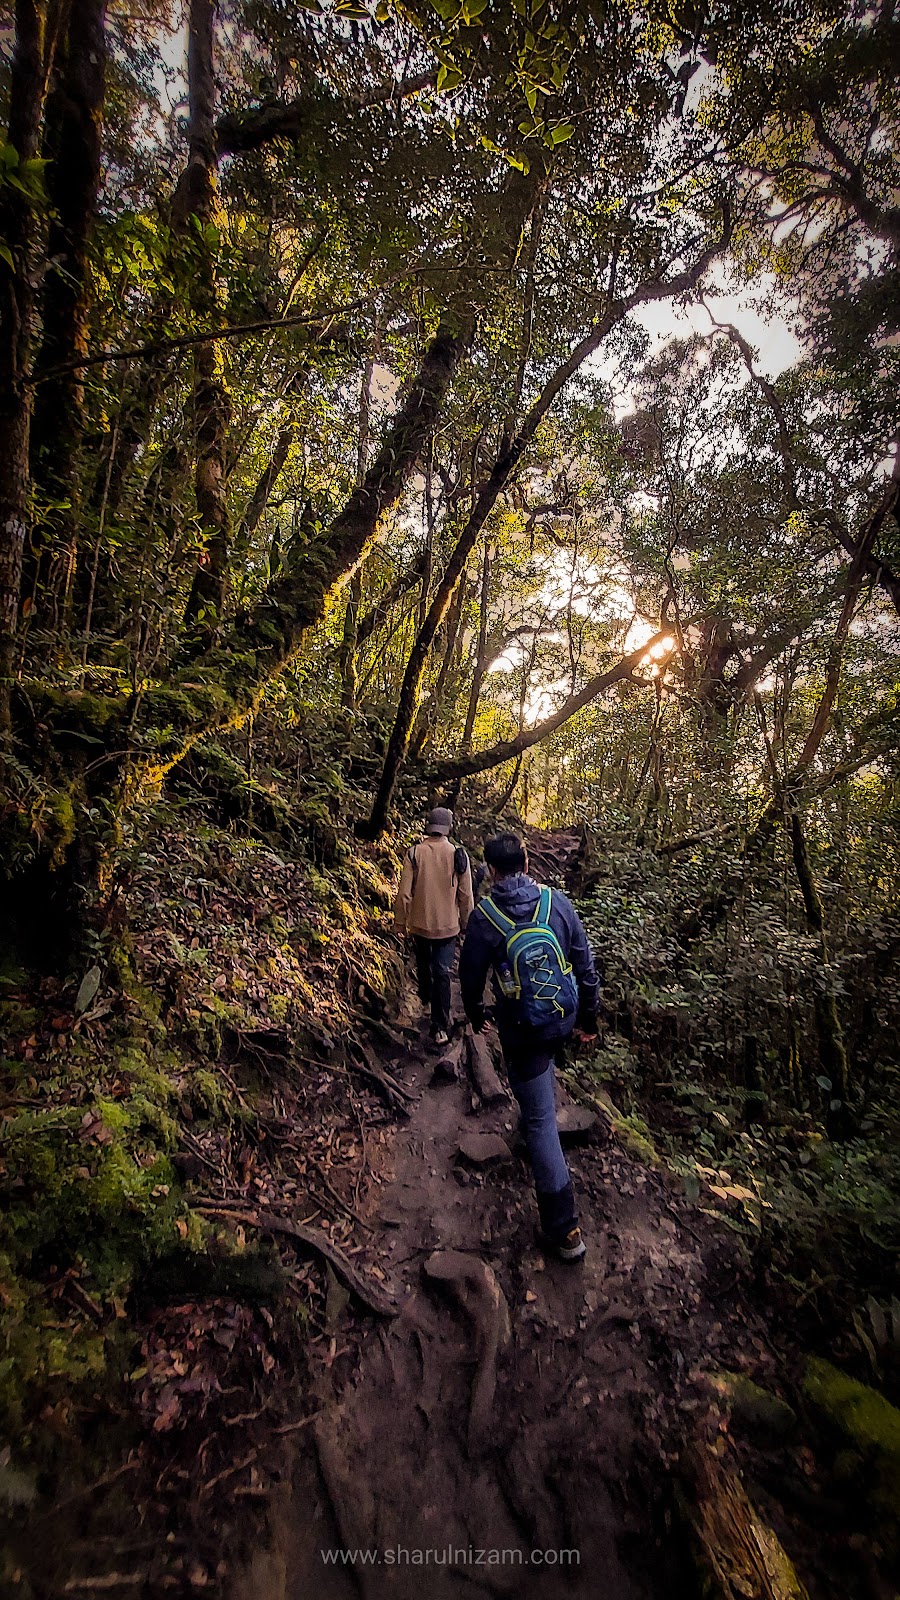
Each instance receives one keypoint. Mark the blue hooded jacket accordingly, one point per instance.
(485, 949)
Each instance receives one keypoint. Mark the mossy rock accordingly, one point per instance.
(634, 1136)
(870, 1427)
(632, 1132)
(755, 1412)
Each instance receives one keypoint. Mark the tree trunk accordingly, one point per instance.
(707, 915)
(503, 799)
(855, 576)
(736, 1551)
(195, 212)
(374, 618)
(480, 669)
(481, 658)
(72, 144)
(349, 642)
(429, 713)
(265, 484)
(223, 686)
(16, 325)
(832, 1049)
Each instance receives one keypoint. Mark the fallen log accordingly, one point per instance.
(738, 1556)
(373, 1298)
(482, 1070)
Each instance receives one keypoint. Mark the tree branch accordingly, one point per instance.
(328, 330)
(506, 750)
(240, 131)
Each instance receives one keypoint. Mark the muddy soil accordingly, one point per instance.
(510, 1431)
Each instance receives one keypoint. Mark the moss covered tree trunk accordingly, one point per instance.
(735, 1550)
(195, 213)
(222, 686)
(16, 326)
(354, 587)
(72, 146)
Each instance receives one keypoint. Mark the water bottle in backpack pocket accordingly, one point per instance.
(541, 985)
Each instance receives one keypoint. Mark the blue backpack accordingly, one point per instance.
(540, 980)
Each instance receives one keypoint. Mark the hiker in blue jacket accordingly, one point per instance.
(545, 984)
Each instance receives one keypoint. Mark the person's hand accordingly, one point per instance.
(587, 1032)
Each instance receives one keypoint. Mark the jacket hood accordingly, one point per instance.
(517, 896)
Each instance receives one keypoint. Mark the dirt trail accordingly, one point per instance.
(514, 1404)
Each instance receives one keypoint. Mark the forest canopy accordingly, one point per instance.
(330, 378)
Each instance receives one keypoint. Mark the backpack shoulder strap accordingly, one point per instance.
(414, 863)
(497, 918)
(542, 909)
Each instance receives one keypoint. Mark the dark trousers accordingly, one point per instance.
(530, 1069)
(434, 958)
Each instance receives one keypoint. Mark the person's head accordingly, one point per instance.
(440, 821)
(505, 854)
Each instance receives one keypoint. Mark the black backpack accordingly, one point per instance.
(460, 864)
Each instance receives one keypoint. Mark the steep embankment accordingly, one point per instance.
(215, 1054)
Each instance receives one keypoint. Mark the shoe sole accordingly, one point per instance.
(569, 1256)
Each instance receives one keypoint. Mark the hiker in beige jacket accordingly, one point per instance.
(433, 905)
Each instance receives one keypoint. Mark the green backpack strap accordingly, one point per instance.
(542, 909)
(497, 918)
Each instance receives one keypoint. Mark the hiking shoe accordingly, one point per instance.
(570, 1248)
(440, 1038)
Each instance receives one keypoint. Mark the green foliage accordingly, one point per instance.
(90, 1198)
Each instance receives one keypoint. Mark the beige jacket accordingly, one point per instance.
(440, 905)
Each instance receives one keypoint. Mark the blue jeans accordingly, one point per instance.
(533, 1082)
(434, 958)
